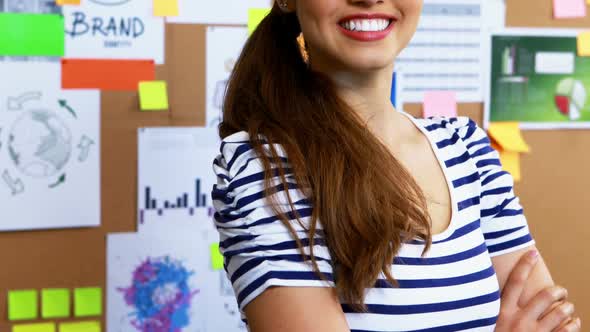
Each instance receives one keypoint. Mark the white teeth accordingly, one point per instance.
(366, 25)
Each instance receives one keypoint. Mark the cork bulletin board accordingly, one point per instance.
(553, 192)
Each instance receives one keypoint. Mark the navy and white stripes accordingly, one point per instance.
(452, 288)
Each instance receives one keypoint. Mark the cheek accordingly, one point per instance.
(411, 9)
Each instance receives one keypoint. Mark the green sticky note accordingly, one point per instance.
(22, 304)
(87, 301)
(216, 257)
(55, 303)
(153, 95)
(255, 16)
(31, 34)
(91, 326)
(39, 327)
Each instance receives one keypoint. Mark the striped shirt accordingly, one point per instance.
(452, 288)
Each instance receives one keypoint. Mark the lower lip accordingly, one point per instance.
(367, 36)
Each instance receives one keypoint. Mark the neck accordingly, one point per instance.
(369, 95)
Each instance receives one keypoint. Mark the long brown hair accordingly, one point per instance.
(367, 202)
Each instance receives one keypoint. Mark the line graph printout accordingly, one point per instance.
(175, 173)
(445, 52)
(49, 150)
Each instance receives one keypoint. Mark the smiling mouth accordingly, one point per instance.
(367, 25)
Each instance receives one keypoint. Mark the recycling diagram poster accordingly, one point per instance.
(49, 150)
(538, 79)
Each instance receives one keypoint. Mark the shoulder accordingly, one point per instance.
(241, 176)
(458, 129)
(237, 156)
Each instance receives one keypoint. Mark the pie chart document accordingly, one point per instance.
(537, 78)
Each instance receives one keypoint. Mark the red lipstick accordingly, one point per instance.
(367, 36)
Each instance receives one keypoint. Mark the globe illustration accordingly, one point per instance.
(570, 98)
(39, 143)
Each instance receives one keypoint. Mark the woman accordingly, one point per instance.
(322, 185)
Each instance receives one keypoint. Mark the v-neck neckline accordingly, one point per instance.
(441, 161)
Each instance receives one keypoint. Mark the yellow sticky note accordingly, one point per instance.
(90, 326)
(255, 16)
(508, 136)
(88, 301)
(67, 2)
(39, 327)
(55, 303)
(216, 257)
(22, 304)
(584, 44)
(511, 163)
(165, 7)
(153, 95)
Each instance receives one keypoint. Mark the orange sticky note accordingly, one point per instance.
(121, 75)
(569, 8)
(440, 103)
(508, 136)
(67, 2)
(165, 7)
(584, 44)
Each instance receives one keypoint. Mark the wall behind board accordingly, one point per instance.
(553, 190)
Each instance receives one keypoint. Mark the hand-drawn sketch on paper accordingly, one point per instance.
(49, 150)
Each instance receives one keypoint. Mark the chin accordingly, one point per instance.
(369, 63)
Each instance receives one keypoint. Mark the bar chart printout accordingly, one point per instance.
(198, 200)
(175, 173)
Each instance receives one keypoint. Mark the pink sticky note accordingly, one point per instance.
(569, 8)
(440, 103)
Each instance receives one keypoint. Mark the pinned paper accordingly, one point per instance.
(584, 44)
(67, 2)
(39, 327)
(508, 136)
(165, 7)
(31, 34)
(216, 257)
(87, 302)
(123, 75)
(153, 96)
(569, 8)
(91, 326)
(55, 303)
(22, 304)
(440, 103)
(255, 16)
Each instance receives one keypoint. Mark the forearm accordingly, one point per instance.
(539, 278)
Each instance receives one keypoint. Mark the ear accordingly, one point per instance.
(287, 6)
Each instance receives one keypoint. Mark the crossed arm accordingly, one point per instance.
(317, 309)
(540, 277)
